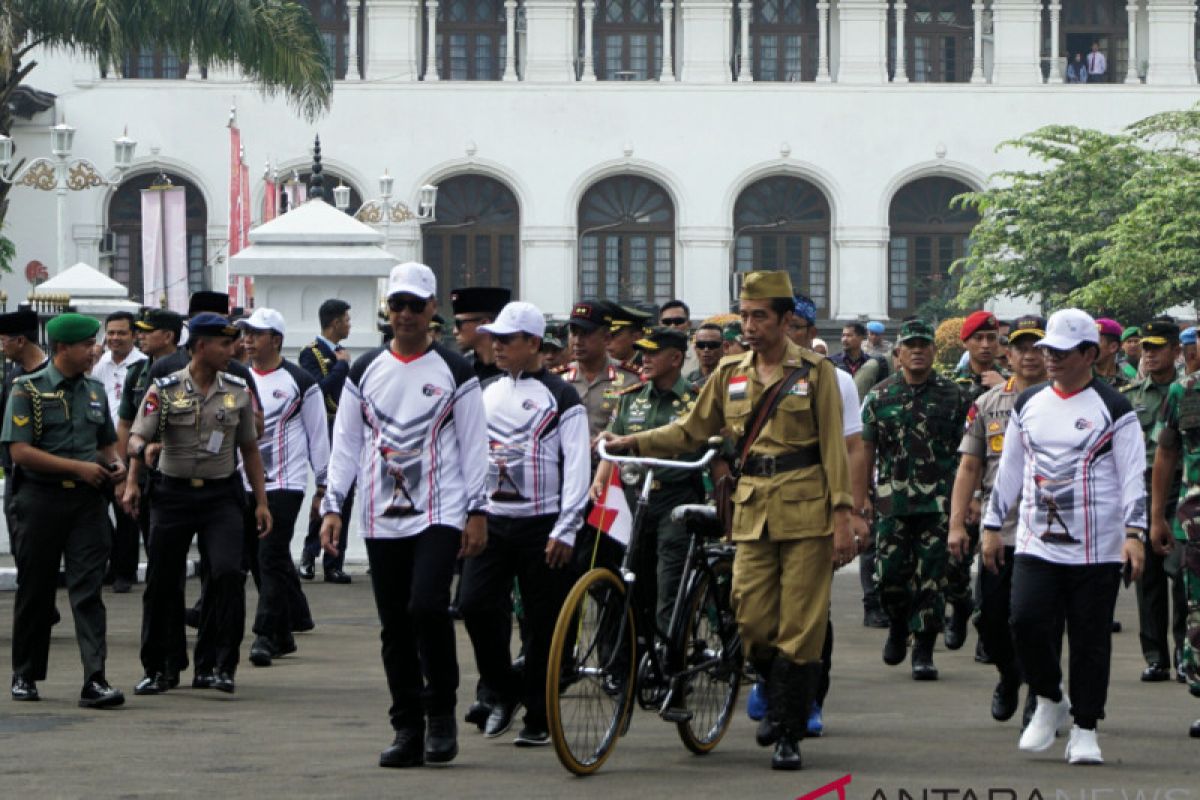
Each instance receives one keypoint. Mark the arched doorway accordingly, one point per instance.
(627, 241)
(474, 241)
(927, 236)
(125, 225)
(783, 222)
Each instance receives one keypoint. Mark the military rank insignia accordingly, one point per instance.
(20, 421)
(230, 401)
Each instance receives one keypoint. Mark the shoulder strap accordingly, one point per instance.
(767, 404)
(316, 351)
(35, 405)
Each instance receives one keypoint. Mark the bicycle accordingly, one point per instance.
(692, 677)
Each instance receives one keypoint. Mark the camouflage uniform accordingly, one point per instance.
(915, 431)
(1117, 381)
(1181, 429)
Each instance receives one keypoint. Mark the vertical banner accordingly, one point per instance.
(235, 207)
(297, 193)
(246, 286)
(270, 199)
(152, 247)
(175, 250)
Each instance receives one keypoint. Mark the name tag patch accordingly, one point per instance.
(737, 387)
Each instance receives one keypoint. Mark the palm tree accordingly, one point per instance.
(274, 42)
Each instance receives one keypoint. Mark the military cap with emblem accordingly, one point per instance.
(661, 339)
(590, 315)
(160, 319)
(215, 302)
(1160, 332)
(629, 317)
(1130, 332)
(767, 285)
(208, 324)
(14, 323)
(914, 329)
(72, 328)
(479, 300)
(1027, 326)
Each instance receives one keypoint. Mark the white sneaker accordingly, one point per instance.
(1049, 719)
(1082, 747)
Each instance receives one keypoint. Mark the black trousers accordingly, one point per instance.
(995, 608)
(1162, 607)
(126, 545)
(826, 664)
(54, 523)
(1082, 594)
(411, 581)
(516, 548)
(282, 606)
(312, 541)
(214, 511)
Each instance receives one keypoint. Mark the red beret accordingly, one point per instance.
(979, 321)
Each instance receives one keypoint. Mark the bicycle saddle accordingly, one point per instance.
(699, 519)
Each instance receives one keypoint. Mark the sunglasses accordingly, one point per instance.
(707, 345)
(398, 303)
(1058, 355)
(507, 338)
(674, 321)
(460, 321)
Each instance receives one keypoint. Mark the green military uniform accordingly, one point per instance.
(644, 408)
(915, 431)
(793, 478)
(1117, 380)
(1160, 596)
(1180, 430)
(197, 490)
(57, 514)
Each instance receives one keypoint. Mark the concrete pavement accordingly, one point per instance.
(313, 726)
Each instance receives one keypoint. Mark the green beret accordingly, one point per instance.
(72, 328)
(767, 285)
(1130, 332)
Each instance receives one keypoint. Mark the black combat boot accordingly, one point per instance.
(922, 658)
(896, 646)
(956, 628)
(797, 687)
(767, 732)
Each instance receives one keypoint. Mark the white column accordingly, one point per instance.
(823, 42)
(431, 12)
(1131, 73)
(901, 75)
(589, 58)
(391, 42)
(668, 56)
(862, 41)
(705, 45)
(1056, 73)
(510, 36)
(352, 71)
(1171, 42)
(551, 41)
(193, 71)
(745, 73)
(860, 275)
(1017, 51)
(977, 67)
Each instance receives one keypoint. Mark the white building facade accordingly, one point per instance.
(637, 150)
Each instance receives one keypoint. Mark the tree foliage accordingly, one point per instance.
(1111, 223)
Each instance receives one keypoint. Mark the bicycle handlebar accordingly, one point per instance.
(656, 462)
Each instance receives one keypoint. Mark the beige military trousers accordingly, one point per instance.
(781, 596)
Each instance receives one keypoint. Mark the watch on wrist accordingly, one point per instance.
(978, 494)
(1136, 534)
(139, 452)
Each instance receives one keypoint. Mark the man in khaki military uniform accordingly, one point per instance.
(200, 414)
(597, 378)
(792, 503)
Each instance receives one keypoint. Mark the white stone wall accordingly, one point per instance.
(704, 137)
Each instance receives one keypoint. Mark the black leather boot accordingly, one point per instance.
(767, 732)
(799, 683)
(896, 646)
(922, 658)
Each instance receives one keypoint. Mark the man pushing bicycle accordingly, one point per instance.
(792, 503)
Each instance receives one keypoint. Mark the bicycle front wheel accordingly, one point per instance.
(590, 675)
(710, 645)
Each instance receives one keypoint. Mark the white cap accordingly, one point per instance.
(412, 278)
(265, 319)
(1069, 328)
(517, 317)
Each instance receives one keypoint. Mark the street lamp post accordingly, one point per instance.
(383, 210)
(60, 174)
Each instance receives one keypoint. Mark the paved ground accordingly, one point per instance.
(313, 726)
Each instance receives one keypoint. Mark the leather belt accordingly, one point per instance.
(194, 483)
(769, 466)
(64, 483)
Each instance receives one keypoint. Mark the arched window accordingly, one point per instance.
(783, 223)
(783, 40)
(125, 224)
(627, 40)
(927, 236)
(1101, 22)
(471, 40)
(627, 241)
(939, 41)
(474, 241)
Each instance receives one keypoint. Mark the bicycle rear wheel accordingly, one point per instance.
(709, 642)
(590, 675)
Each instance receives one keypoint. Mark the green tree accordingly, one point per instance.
(1110, 223)
(275, 43)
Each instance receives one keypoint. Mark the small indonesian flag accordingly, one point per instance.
(612, 515)
(737, 387)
